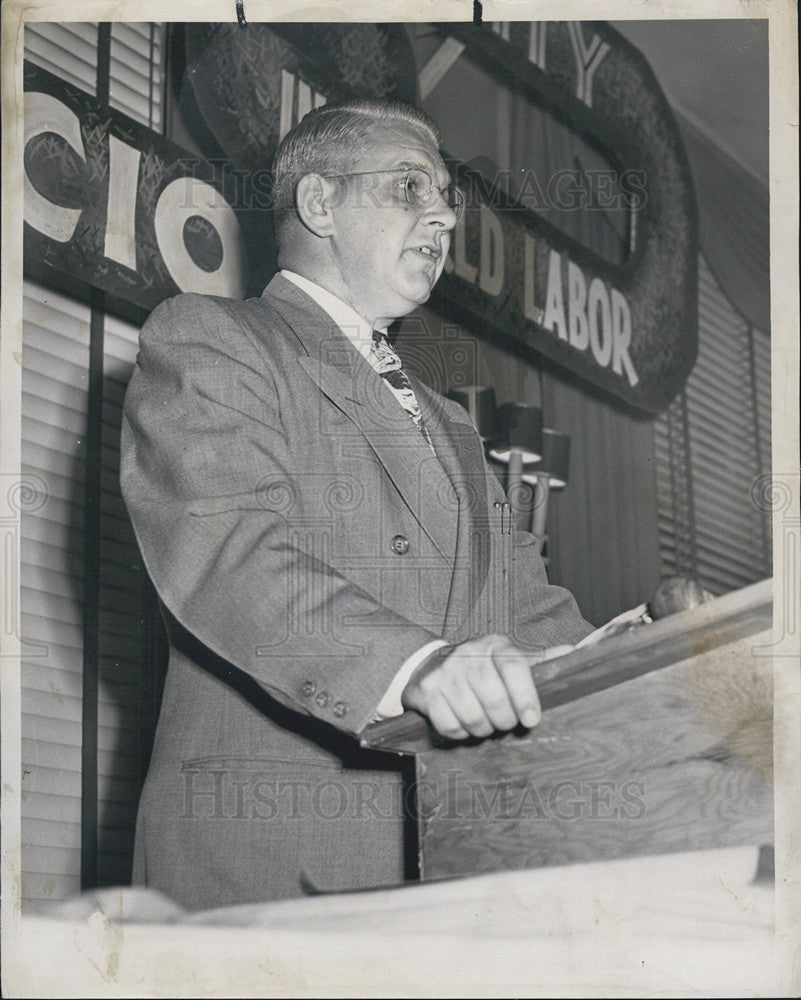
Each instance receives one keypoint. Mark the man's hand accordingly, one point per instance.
(481, 685)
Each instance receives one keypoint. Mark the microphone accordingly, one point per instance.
(674, 594)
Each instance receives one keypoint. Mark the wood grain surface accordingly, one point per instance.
(612, 661)
(675, 759)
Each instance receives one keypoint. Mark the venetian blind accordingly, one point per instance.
(54, 411)
(55, 414)
(68, 50)
(711, 446)
(135, 73)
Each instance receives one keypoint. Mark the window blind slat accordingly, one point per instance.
(58, 674)
(55, 731)
(51, 858)
(49, 834)
(54, 641)
(67, 49)
(129, 103)
(49, 581)
(59, 496)
(45, 703)
(56, 808)
(52, 756)
(135, 75)
(131, 50)
(41, 423)
(725, 399)
(37, 885)
(45, 532)
(51, 780)
(53, 345)
(54, 466)
(136, 34)
(57, 393)
(46, 556)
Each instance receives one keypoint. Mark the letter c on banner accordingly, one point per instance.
(180, 200)
(44, 113)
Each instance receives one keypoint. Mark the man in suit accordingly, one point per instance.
(326, 540)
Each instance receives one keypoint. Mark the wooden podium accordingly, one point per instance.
(656, 740)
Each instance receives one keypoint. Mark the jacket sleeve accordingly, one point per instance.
(542, 614)
(201, 434)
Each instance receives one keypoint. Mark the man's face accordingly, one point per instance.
(376, 245)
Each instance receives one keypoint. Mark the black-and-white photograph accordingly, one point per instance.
(400, 500)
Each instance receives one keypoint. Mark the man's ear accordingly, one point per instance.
(315, 197)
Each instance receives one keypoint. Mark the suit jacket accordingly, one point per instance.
(304, 542)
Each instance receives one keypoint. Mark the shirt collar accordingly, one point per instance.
(355, 327)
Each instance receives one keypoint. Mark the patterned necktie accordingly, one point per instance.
(388, 365)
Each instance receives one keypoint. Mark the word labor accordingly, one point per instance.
(597, 316)
(589, 315)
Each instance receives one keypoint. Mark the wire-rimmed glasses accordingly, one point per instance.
(418, 187)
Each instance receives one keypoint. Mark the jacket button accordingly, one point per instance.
(340, 709)
(400, 545)
(323, 698)
(309, 687)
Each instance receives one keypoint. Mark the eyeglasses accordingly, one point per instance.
(418, 187)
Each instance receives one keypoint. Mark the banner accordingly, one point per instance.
(110, 202)
(628, 326)
(114, 204)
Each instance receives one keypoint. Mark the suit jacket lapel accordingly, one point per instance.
(349, 381)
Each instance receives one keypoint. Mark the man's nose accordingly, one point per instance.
(438, 211)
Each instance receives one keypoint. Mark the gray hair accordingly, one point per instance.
(328, 138)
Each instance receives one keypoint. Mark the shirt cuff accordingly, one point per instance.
(390, 705)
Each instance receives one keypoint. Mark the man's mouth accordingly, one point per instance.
(429, 251)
